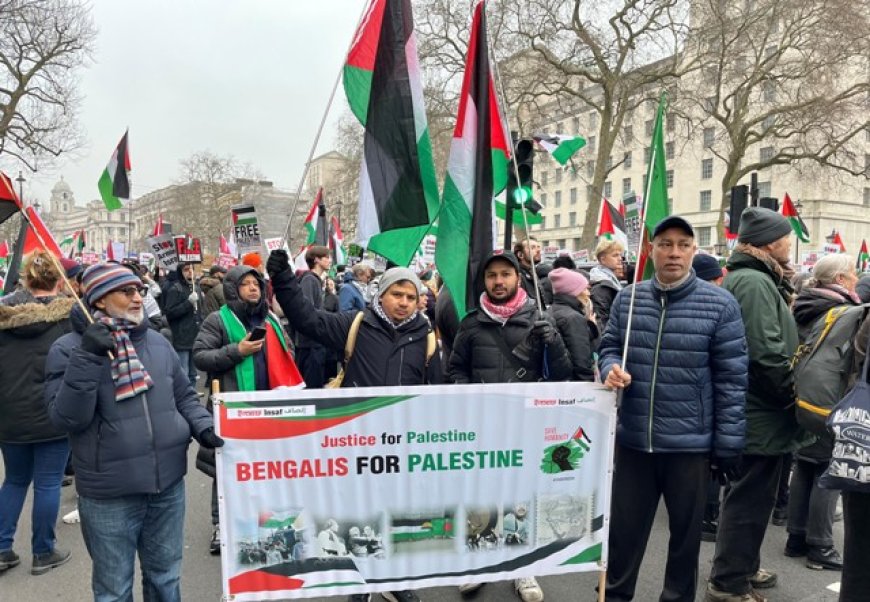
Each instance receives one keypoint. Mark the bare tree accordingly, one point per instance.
(43, 43)
(783, 82)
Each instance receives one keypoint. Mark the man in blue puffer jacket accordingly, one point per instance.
(682, 412)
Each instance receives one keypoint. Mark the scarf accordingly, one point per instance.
(128, 373)
(379, 309)
(781, 271)
(833, 289)
(280, 366)
(501, 312)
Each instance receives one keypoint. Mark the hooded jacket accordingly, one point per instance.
(350, 295)
(603, 288)
(28, 328)
(579, 334)
(184, 319)
(687, 359)
(763, 292)
(213, 293)
(383, 356)
(131, 447)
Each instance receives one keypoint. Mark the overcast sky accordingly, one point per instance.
(244, 78)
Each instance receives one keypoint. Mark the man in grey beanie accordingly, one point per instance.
(759, 278)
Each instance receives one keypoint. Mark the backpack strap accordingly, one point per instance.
(431, 346)
(352, 334)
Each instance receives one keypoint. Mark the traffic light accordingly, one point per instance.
(769, 203)
(739, 199)
(519, 184)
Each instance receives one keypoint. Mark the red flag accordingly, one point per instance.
(224, 246)
(32, 241)
(110, 251)
(158, 227)
(9, 201)
(4, 250)
(838, 241)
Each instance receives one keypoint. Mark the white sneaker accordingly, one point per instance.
(467, 588)
(528, 589)
(72, 517)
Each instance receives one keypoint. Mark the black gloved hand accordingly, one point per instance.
(97, 339)
(209, 440)
(543, 331)
(725, 468)
(277, 263)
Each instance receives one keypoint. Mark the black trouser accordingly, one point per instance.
(743, 521)
(782, 489)
(711, 506)
(855, 583)
(310, 361)
(639, 481)
(215, 513)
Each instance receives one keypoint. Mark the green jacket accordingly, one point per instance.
(772, 338)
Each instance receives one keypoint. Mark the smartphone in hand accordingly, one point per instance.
(258, 333)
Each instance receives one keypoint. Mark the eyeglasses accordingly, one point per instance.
(131, 290)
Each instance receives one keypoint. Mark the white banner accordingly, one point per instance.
(335, 492)
(246, 229)
(163, 247)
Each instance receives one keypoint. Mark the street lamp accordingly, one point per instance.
(20, 179)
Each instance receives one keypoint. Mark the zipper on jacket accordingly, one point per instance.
(153, 442)
(401, 365)
(652, 390)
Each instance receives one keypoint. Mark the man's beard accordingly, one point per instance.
(134, 317)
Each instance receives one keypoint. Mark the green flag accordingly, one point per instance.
(656, 193)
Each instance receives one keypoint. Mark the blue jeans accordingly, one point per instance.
(186, 357)
(116, 529)
(42, 464)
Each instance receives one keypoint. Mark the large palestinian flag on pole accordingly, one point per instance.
(315, 221)
(863, 257)
(10, 204)
(612, 223)
(336, 242)
(114, 183)
(789, 212)
(655, 207)
(560, 146)
(476, 172)
(398, 189)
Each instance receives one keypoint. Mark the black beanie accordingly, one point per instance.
(760, 226)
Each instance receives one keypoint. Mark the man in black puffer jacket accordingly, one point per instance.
(183, 304)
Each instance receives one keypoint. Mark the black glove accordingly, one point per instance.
(98, 339)
(725, 468)
(209, 440)
(277, 263)
(543, 331)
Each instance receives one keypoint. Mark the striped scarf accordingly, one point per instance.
(128, 373)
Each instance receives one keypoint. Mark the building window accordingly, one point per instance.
(866, 164)
(543, 222)
(770, 51)
(709, 137)
(590, 169)
(608, 189)
(576, 244)
(669, 176)
(609, 165)
(867, 197)
(626, 186)
(710, 104)
(572, 218)
(122, 232)
(768, 123)
(557, 221)
(558, 201)
(545, 177)
(560, 243)
(648, 127)
(670, 122)
(557, 175)
(769, 91)
(706, 169)
(559, 128)
(766, 153)
(670, 206)
(63, 208)
(573, 194)
(590, 144)
(704, 236)
(626, 160)
(706, 200)
(646, 153)
(763, 189)
(669, 151)
(627, 134)
(575, 123)
(544, 199)
(593, 121)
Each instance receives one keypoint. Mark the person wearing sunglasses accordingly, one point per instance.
(117, 387)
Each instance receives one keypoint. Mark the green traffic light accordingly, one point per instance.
(522, 195)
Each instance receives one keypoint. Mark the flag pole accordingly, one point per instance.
(649, 180)
(515, 168)
(284, 239)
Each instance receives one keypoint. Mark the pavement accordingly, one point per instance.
(201, 573)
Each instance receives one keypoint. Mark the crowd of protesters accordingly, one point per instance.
(706, 391)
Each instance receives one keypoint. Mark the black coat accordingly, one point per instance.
(383, 356)
(312, 287)
(478, 358)
(28, 327)
(578, 334)
(184, 319)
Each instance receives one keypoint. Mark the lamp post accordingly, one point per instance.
(20, 179)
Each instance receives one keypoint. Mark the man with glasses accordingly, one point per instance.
(682, 392)
(118, 389)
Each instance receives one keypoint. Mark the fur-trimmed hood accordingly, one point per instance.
(33, 317)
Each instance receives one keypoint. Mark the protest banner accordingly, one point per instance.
(226, 261)
(633, 208)
(187, 248)
(549, 253)
(246, 229)
(90, 258)
(273, 244)
(164, 251)
(581, 256)
(335, 492)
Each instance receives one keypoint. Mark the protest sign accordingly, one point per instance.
(226, 261)
(164, 251)
(188, 249)
(246, 229)
(381, 489)
(273, 244)
(90, 258)
(549, 253)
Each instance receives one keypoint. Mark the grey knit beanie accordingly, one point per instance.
(394, 275)
(760, 226)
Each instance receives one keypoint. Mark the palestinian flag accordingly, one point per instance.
(38, 236)
(398, 189)
(612, 222)
(838, 240)
(313, 219)
(476, 172)
(10, 204)
(79, 245)
(158, 227)
(863, 257)
(797, 224)
(655, 207)
(560, 146)
(336, 243)
(115, 251)
(66, 245)
(224, 246)
(4, 254)
(114, 184)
